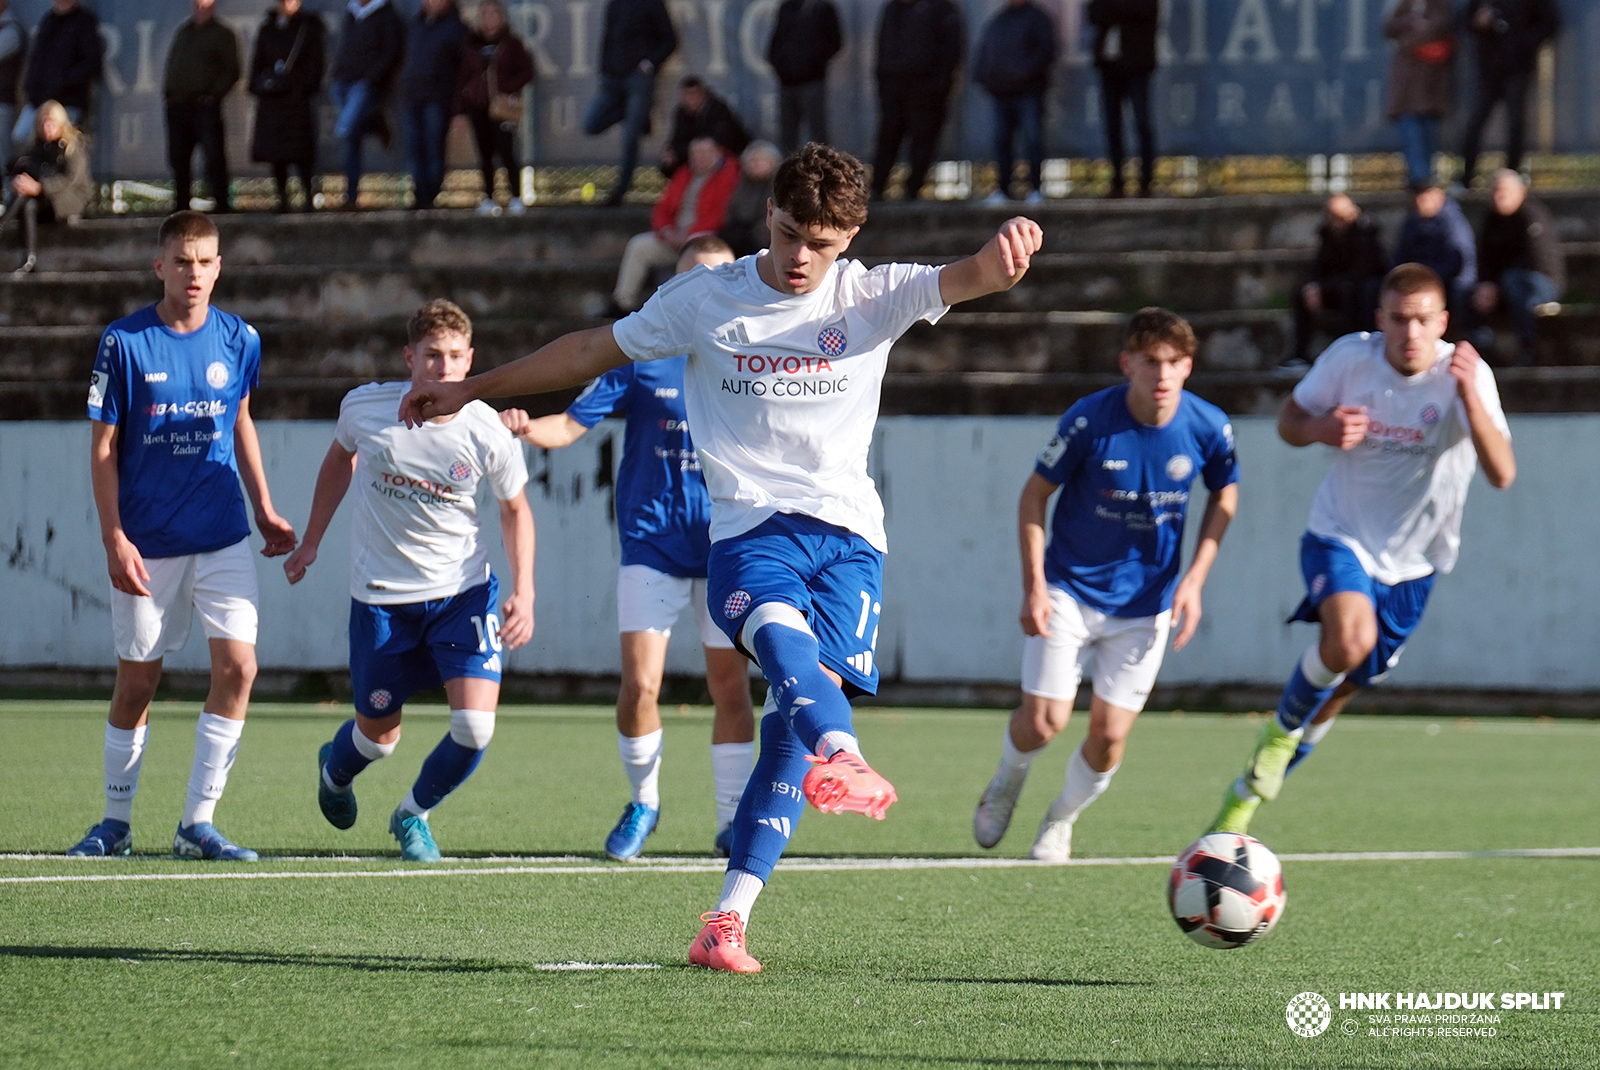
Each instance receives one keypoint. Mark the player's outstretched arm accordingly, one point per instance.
(516, 528)
(123, 560)
(278, 532)
(1036, 610)
(333, 482)
(998, 266)
(571, 360)
(1488, 441)
(1343, 428)
(547, 432)
(1221, 507)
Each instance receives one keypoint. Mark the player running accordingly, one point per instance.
(1411, 417)
(423, 598)
(663, 517)
(787, 350)
(1106, 588)
(171, 437)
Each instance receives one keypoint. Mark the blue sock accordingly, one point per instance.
(345, 761)
(1300, 753)
(1309, 686)
(811, 703)
(772, 804)
(445, 770)
(1314, 734)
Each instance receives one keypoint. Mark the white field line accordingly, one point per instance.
(819, 865)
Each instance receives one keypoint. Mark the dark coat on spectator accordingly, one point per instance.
(1511, 42)
(433, 58)
(805, 36)
(1416, 87)
(1132, 50)
(370, 48)
(1016, 52)
(744, 224)
(513, 69)
(65, 58)
(1443, 243)
(286, 124)
(921, 39)
(635, 31)
(1351, 253)
(714, 120)
(1524, 239)
(202, 64)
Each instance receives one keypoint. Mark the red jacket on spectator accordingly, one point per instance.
(711, 207)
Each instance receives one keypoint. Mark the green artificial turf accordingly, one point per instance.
(1015, 967)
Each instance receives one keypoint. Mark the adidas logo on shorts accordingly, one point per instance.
(861, 663)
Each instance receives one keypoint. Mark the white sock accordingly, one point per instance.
(1315, 732)
(832, 743)
(124, 755)
(1013, 762)
(216, 744)
(641, 760)
(370, 749)
(1084, 786)
(739, 891)
(1316, 673)
(731, 764)
(409, 806)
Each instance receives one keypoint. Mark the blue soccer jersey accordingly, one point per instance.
(663, 509)
(1117, 533)
(174, 399)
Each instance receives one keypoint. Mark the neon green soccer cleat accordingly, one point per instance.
(1236, 813)
(1269, 763)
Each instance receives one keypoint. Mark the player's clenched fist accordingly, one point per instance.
(1018, 240)
(1464, 366)
(427, 400)
(1347, 426)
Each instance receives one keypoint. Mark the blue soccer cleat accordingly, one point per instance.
(416, 839)
(109, 838)
(201, 840)
(627, 839)
(722, 846)
(339, 807)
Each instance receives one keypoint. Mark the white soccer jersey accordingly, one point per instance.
(1396, 499)
(782, 391)
(414, 536)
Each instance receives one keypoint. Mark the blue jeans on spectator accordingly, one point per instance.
(625, 100)
(1521, 291)
(356, 104)
(1025, 115)
(426, 124)
(1419, 137)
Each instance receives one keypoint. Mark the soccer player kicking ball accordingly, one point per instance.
(663, 517)
(171, 437)
(1106, 587)
(424, 601)
(787, 350)
(1410, 416)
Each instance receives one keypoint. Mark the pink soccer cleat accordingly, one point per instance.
(720, 945)
(845, 782)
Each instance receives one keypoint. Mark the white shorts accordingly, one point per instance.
(650, 601)
(1127, 653)
(220, 584)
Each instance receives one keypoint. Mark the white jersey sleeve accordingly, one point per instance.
(664, 327)
(503, 463)
(894, 296)
(1322, 390)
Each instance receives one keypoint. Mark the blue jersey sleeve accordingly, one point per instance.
(108, 380)
(1067, 447)
(250, 362)
(1221, 464)
(605, 396)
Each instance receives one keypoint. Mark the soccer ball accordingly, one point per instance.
(1226, 890)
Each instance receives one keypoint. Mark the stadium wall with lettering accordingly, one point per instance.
(1237, 77)
(1518, 613)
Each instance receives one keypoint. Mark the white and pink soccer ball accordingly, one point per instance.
(1226, 890)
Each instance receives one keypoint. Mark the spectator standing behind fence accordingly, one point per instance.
(1125, 54)
(805, 36)
(13, 51)
(637, 40)
(744, 224)
(919, 49)
(495, 68)
(372, 39)
(202, 66)
(1013, 63)
(1509, 33)
(701, 113)
(693, 203)
(1344, 283)
(1423, 32)
(285, 75)
(51, 177)
(428, 92)
(1438, 236)
(1520, 267)
(63, 63)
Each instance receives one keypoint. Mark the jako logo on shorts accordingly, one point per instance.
(737, 603)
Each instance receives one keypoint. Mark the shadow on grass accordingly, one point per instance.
(758, 1057)
(1054, 982)
(366, 963)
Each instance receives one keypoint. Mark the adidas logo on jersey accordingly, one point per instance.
(861, 663)
(780, 824)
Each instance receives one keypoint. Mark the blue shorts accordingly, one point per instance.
(396, 651)
(1329, 566)
(833, 576)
